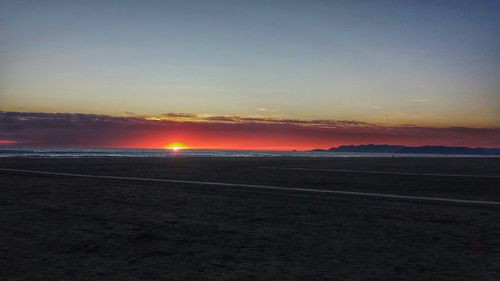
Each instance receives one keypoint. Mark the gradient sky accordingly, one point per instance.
(386, 63)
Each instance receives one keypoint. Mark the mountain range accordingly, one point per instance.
(388, 148)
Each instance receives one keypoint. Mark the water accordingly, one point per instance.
(129, 152)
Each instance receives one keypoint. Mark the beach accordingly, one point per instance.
(252, 218)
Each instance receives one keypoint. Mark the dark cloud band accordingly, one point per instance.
(89, 130)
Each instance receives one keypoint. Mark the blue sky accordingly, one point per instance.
(384, 62)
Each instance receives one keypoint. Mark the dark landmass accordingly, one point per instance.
(68, 228)
(386, 148)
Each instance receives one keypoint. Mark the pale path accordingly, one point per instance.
(267, 187)
(383, 172)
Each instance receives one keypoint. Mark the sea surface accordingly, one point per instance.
(130, 152)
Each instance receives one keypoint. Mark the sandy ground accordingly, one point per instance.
(62, 228)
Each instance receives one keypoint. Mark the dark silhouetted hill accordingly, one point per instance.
(387, 148)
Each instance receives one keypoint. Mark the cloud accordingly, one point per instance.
(181, 115)
(89, 130)
(421, 100)
(206, 118)
(266, 109)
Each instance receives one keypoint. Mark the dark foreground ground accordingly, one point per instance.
(66, 228)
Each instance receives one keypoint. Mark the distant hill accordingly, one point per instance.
(387, 148)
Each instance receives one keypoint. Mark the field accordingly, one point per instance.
(56, 227)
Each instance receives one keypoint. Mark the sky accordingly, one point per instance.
(250, 74)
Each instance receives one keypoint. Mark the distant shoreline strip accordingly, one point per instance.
(382, 172)
(267, 187)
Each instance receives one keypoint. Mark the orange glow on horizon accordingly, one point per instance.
(176, 146)
(178, 136)
(221, 139)
(7, 142)
(214, 142)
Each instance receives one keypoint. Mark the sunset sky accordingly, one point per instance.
(249, 74)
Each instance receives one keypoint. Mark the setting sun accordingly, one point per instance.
(175, 146)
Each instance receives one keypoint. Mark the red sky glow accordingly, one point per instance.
(87, 130)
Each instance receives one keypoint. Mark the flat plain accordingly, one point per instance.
(56, 227)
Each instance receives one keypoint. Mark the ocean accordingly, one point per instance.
(132, 152)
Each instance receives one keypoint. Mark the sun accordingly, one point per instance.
(176, 146)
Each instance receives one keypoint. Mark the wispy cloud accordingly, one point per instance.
(266, 109)
(421, 100)
(207, 118)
